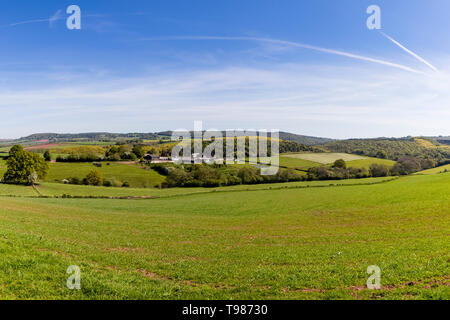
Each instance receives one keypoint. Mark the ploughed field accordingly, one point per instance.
(311, 240)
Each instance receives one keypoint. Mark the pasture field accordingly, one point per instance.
(44, 146)
(309, 243)
(324, 158)
(288, 161)
(17, 191)
(304, 161)
(90, 143)
(365, 163)
(131, 173)
(47, 189)
(4, 151)
(3, 167)
(442, 169)
(74, 144)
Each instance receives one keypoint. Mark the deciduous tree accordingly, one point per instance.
(24, 167)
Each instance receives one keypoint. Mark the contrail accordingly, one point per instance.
(57, 16)
(410, 52)
(292, 44)
(27, 22)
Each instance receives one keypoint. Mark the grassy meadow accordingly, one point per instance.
(304, 161)
(324, 158)
(131, 173)
(290, 243)
(297, 163)
(365, 163)
(58, 190)
(136, 176)
(442, 169)
(296, 240)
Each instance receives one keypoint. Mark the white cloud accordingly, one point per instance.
(329, 101)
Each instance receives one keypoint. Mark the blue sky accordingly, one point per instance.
(309, 67)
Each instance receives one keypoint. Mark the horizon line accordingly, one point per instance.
(161, 131)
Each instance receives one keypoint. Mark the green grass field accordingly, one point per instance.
(365, 163)
(297, 163)
(133, 174)
(324, 158)
(442, 169)
(308, 243)
(19, 191)
(47, 189)
(304, 161)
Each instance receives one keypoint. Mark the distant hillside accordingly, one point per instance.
(307, 140)
(393, 148)
(286, 136)
(442, 140)
(437, 148)
(290, 142)
(97, 136)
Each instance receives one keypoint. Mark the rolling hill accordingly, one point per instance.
(289, 243)
(286, 136)
(394, 148)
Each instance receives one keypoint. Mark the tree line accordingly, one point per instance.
(404, 166)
